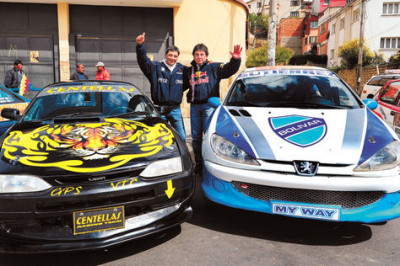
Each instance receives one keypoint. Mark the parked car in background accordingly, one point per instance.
(297, 141)
(89, 165)
(9, 99)
(376, 82)
(388, 100)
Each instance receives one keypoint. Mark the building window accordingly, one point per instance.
(332, 53)
(314, 24)
(294, 13)
(294, 3)
(259, 4)
(327, 2)
(305, 41)
(249, 6)
(323, 28)
(391, 8)
(333, 29)
(356, 15)
(312, 39)
(341, 23)
(390, 43)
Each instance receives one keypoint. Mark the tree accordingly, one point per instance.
(259, 56)
(394, 60)
(259, 25)
(349, 54)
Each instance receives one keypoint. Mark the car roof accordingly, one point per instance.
(81, 84)
(284, 68)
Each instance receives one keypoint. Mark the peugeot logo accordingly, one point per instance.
(306, 168)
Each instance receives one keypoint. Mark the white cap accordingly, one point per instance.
(100, 64)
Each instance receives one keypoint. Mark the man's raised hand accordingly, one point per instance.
(237, 50)
(140, 38)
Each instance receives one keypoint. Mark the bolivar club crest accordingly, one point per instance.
(299, 130)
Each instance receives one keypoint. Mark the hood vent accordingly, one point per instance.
(240, 112)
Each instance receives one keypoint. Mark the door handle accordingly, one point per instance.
(392, 113)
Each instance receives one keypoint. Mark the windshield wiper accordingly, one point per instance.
(303, 105)
(79, 116)
(242, 103)
(131, 114)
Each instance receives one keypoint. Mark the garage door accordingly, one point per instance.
(34, 34)
(109, 35)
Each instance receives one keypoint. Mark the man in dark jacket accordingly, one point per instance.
(166, 83)
(14, 76)
(79, 74)
(204, 78)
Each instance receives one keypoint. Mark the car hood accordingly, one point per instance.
(332, 136)
(86, 147)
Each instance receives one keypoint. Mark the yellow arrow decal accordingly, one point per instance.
(170, 190)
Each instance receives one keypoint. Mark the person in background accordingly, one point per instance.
(203, 78)
(166, 81)
(102, 73)
(14, 75)
(79, 74)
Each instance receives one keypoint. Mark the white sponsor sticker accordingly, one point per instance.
(306, 211)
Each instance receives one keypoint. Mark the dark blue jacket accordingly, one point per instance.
(204, 82)
(166, 87)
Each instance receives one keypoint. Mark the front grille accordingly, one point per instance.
(80, 179)
(345, 199)
(90, 203)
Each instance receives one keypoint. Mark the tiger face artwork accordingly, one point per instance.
(86, 148)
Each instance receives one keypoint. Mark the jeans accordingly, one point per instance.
(174, 117)
(200, 117)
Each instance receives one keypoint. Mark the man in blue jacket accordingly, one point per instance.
(166, 83)
(204, 78)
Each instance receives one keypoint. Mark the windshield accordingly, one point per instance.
(60, 102)
(302, 91)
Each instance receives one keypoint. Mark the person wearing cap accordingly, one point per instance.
(102, 73)
(166, 83)
(203, 78)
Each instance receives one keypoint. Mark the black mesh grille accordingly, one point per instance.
(345, 199)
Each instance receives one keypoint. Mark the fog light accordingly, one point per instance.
(218, 185)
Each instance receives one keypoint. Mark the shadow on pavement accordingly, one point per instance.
(95, 257)
(274, 227)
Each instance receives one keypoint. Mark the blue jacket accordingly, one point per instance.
(166, 87)
(204, 82)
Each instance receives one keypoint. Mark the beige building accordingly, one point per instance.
(50, 36)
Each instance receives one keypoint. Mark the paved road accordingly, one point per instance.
(218, 235)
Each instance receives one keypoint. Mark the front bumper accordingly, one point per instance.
(43, 222)
(228, 187)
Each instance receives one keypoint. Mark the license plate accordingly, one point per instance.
(306, 211)
(98, 220)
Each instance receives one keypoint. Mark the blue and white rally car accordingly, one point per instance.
(297, 141)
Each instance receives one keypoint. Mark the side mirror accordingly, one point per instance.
(10, 113)
(214, 102)
(370, 103)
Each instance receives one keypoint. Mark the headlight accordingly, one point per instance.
(229, 151)
(385, 159)
(163, 167)
(22, 183)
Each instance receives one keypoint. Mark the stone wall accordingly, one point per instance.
(350, 75)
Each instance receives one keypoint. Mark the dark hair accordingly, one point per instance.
(17, 62)
(79, 64)
(172, 48)
(200, 47)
